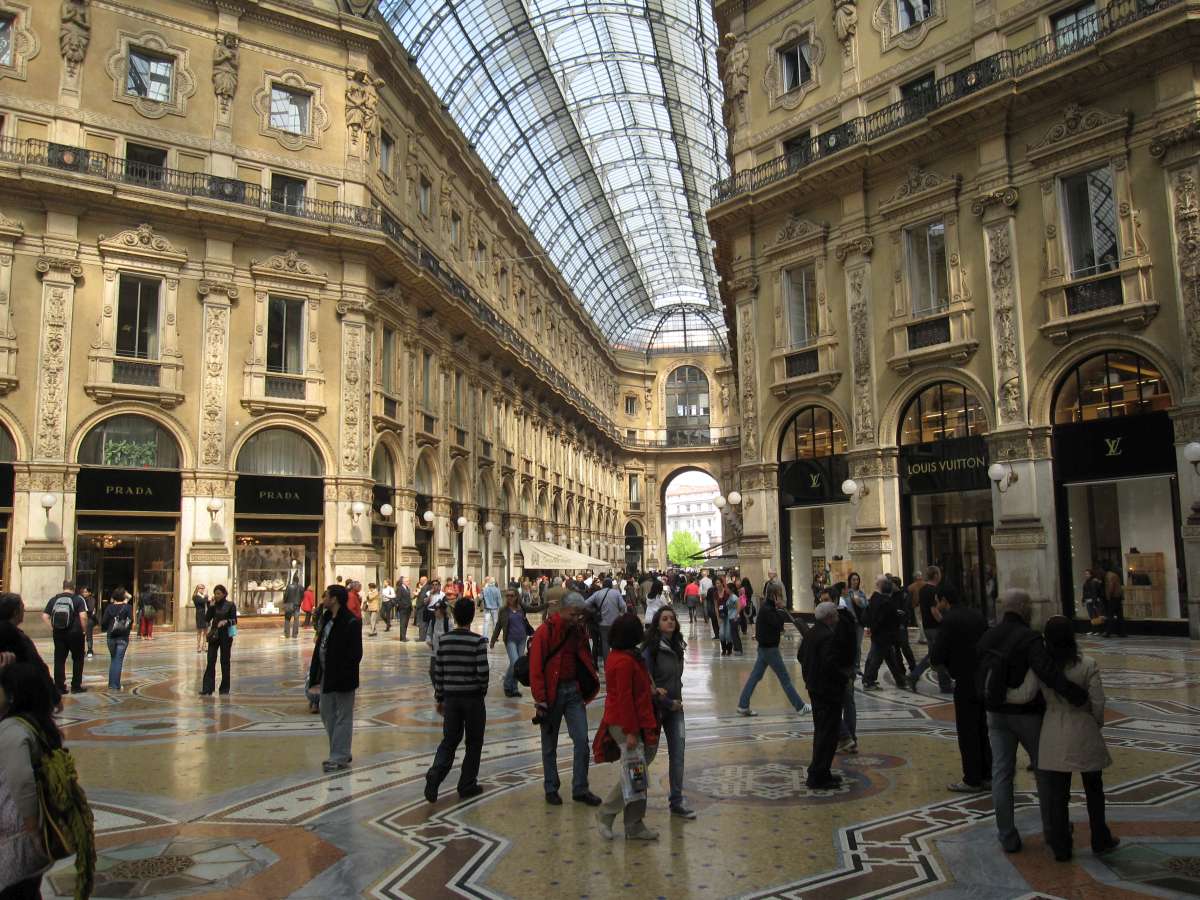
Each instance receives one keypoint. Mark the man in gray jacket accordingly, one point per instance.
(608, 604)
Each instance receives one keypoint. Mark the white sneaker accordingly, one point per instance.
(746, 712)
(605, 823)
(804, 711)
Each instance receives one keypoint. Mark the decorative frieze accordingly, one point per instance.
(74, 33)
(1187, 229)
(58, 297)
(1006, 340)
(749, 404)
(860, 356)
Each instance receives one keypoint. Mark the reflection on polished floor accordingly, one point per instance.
(226, 797)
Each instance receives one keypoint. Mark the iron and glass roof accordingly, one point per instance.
(602, 123)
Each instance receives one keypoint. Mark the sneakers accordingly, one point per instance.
(90, 656)
(747, 712)
(847, 745)
(961, 787)
(804, 710)
(682, 812)
(587, 797)
(605, 824)
(871, 686)
(642, 834)
(1011, 843)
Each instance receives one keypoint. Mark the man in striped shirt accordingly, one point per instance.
(460, 681)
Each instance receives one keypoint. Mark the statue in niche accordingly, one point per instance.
(733, 60)
(75, 32)
(845, 21)
(362, 100)
(225, 69)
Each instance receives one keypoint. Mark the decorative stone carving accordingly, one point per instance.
(1168, 139)
(733, 62)
(918, 181)
(362, 101)
(52, 368)
(289, 263)
(59, 267)
(798, 228)
(891, 32)
(1187, 227)
(748, 405)
(1006, 196)
(860, 348)
(142, 238)
(1077, 121)
(845, 23)
(74, 33)
(863, 245)
(354, 373)
(183, 81)
(1004, 326)
(212, 391)
(225, 69)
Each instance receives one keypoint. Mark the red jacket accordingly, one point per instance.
(354, 604)
(629, 703)
(544, 682)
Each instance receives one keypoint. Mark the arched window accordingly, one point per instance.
(941, 412)
(424, 478)
(1110, 384)
(8, 447)
(812, 433)
(383, 467)
(129, 442)
(280, 451)
(687, 407)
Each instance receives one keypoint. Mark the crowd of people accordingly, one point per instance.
(1011, 686)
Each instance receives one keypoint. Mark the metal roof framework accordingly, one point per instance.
(601, 121)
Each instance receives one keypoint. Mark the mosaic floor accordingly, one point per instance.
(225, 797)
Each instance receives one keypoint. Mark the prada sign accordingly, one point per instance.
(959, 464)
(277, 495)
(813, 482)
(1114, 448)
(138, 490)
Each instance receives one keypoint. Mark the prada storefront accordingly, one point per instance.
(1115, 486)
(814, 514)
(279, 518)
(945, 495)
(127, 499)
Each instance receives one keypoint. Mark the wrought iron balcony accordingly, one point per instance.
(285, 387)
(929, 333)
(131, 371)
(1088, 296)
(1002, 66)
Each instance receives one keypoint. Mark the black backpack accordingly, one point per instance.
(992, 676)
(521, 666)
(121, 625)
(62, 612)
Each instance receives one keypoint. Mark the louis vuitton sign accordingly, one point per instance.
(1122, 447)
(813, 482)
(959, 464)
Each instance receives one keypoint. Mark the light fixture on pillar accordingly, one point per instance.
(386, 510)
(215, 505)
(489, 526)
(854, 490)
(1003, 476)
(1191, 452)
(48, 501)
(461, 522)
(357, 508)
(427, 516)
(719, 502)
(734, 498)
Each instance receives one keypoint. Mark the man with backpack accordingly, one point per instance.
(608, 604)
(1012, 659)
(954, 646)
(66, 614)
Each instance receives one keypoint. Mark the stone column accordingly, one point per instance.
(443, 561)
(204, 535)
(472, 544)
(406, 534)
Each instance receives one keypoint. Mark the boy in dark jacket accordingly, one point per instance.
(334, 672)
(460, 681)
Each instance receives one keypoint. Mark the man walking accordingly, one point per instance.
(460, 680)
(771, 620)
(293, 596)
(93, 615)
(404, 607)
(955, 648)
(387, 609)
(886, 618)
(821, 658)
(563, 680)
(66, 614)
(334, 668)
(608, 604)
(491, 604)
(932, 606)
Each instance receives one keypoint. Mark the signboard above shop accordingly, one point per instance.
(132, 490)
(813, 482)
(1121, 447)
(959, 464)
(277, 495)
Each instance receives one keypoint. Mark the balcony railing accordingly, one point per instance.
(1088, 296)
(284, 387)
(806, 362)
(1005, 65)
(128, 371)
(929, 333)
(683, 438)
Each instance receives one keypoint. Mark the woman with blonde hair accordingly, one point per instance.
(200, 603)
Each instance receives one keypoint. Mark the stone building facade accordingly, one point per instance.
(266, 315)
(961, 237)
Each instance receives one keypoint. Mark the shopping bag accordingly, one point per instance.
(633, 775)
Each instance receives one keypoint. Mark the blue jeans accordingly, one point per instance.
(770, 656)
(116, 652)
(568, 704)
(516, 649)
(1005, 731)
(673, 728)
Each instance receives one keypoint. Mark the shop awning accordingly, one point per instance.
(542, 555)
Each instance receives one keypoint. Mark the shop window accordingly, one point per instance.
(387, 361)
(1090, 221)
(387, 150)
(287, 194)
(814, 432)
(149, 76)
(144, 164)
(1074, 26)
(137, 317)
(1110, 385)
(687, 407)
(285, 335)
(279, 451)
(925, 250)
(801, 287)
(942, 411)
(795, 65)
(911, 13)
(290, 110)
(129, 442)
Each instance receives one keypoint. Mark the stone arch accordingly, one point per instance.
(508, 495)
(183, 444)
(485, 490)
(427, 475)
(458, 485)
(1041, 398)
(773, 432)
(888, 430)
(21, 443)
(402, 476)
(639, 530)
(527, 507)
(323, 448)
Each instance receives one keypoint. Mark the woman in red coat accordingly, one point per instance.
(629, 723)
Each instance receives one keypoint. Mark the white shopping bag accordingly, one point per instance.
(633, 774)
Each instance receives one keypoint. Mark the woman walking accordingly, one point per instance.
(513, 625)
(691, 597)
(146, 612)
(200, 605)
(662, 650)
(1071, 741)
(117, 623)
(628, 726)
(308, 604)
(222, 626)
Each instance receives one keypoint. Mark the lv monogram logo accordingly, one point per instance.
(1113, 446)
(814, 480)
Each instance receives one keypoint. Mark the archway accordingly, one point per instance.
(635, 547)
(687, 407)
(280, 518)
(383, 527)
(693, 526)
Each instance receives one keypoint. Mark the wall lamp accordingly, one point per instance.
(1003, 476)
(386, 510)
(48, 501)
(215, 505)
(854, 490)
(357, 508)
(427, 516)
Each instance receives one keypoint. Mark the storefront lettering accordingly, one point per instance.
(122, 490)
(947, 465)
(1113, 446)
(279, 495)
(814, 481)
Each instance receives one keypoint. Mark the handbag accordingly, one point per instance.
(233, 631)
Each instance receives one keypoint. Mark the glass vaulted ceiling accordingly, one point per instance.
(602, 123)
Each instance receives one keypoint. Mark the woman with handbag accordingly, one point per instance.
(628, 732)
(513, 625)
(662, 651)
(222, 627)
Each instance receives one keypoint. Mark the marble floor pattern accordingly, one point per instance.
(226, 797)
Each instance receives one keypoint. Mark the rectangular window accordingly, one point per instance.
(1090, 222)
(630, 435)
(144, 164)
(6, 40)
(485, 413)
(289, 109)
(635, 491)
(287, 194)
(455, 229)
(424, 195)
(458, 397)
(630, 405)
(927, 281)
(801, 287)
(149, 76)
(137, 317)
(387, 147)
(910, 13)
(795, 65)
(919, 89)
(798, 148)
(1077, 25)
(426, 380)
(387, 361)
(285, 335)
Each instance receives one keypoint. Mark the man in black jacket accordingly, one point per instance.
(404, 607)
(885, 619)
(768, 629)
(293, 596)
(826, 679)
(334, 668)
(1013, 647)
(954, 648)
